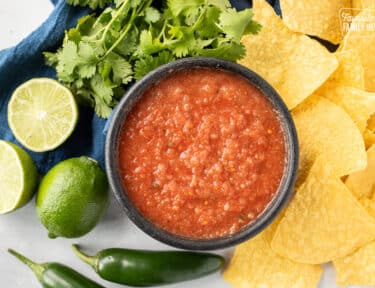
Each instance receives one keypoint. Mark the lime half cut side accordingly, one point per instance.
(18, 177)
(42, 114)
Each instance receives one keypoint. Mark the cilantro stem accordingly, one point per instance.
(162, 32)
(122, 36)
(125, 4)
(94, 36)
(128, 27)
(200, 18)
(96, 22)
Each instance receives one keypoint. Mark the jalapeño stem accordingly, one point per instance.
(36, 268)
(91, 260)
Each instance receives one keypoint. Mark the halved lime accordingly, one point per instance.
(42, 114)
(18, 177)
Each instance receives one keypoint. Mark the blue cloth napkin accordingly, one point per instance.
(25, 61)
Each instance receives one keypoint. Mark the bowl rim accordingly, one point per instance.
(287, 182)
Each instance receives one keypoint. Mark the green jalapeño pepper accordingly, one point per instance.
(55, 275)
(151, 268)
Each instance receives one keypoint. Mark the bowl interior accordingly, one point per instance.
(286, 184)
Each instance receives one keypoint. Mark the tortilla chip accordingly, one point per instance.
(362, 183)
(326, 130)
(371, 123)
(317, 18)
(271, 229)
(362, 39)
(357, 4)
(361, 4)
(360, 105)
(350, 71)
(369, 138)
(345, 88)
(357, 268)
(292, 63)
(369, 205)
(254, 264)
(323, 222)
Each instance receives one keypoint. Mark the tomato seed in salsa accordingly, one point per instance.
(202, 153)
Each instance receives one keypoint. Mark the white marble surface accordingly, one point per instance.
(22, 231)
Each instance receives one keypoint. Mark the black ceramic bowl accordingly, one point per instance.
(265, 218)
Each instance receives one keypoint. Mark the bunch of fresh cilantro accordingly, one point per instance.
(104, 53)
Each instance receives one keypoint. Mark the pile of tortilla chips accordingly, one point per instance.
(331, 96)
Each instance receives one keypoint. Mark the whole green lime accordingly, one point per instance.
(72, 197)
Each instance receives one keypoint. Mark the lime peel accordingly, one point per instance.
(72, 197)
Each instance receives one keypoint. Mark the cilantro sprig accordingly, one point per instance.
(105, 52)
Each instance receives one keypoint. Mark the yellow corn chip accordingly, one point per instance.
(369, 137)
(271, 229)
(317, 18)
(254, 264)
(357, 268)
(326, 130)
(362, 183)
(345, 88)
(371, 123)
(292, 63)
(360, 105)
(361, 4)
(323, 222)
(361, 37)
(350, 71)
(369, 204)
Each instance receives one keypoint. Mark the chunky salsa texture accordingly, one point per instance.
(202, 153)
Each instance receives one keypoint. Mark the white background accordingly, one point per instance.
(22, 231)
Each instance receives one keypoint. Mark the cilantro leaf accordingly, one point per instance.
(147, 44)
(208, 26)
(82, 94)
(85, 24)
(93, 4)
(86, 51)
(74, 2)
(86, 71)
(149, 63)
(184, 41)
(226, 51)
(152, 15)
(51, 59)
(234, 24)
(102, 96)
(178, 6)
(68, 60)
(222, 4)
(128, 45)
(252, 28)
(121, 69)
(192, 17)
(74, 35)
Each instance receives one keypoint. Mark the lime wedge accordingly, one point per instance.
(18, 177)
(42, 114)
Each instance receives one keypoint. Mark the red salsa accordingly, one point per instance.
(202, 154)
